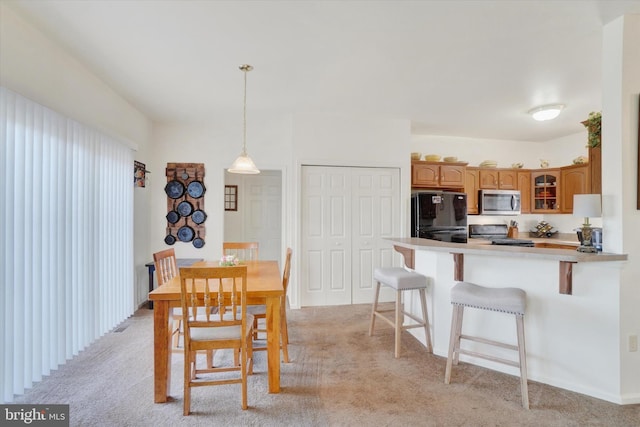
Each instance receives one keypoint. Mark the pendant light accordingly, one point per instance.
(243, 163)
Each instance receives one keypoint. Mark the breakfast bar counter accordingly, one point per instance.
(565, 257)
(574, 337)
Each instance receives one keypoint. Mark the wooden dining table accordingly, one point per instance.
(264, 286)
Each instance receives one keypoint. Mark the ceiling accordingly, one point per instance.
(465, 68)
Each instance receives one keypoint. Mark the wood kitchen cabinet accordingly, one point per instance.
(499, 179)
(524, 185)
(471, 187)
(575, 180)
(545, 186)
(437, 175)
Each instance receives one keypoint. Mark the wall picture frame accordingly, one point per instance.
(230, 197)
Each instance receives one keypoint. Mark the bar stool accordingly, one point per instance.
(506, 300)
(401, 280)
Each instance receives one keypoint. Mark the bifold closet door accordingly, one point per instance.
(346, 212)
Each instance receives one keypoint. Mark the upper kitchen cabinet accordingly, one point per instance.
(524, 185)
(437, 175)
(471, 187)
(498, 179)
(575, 180)
(545, 186)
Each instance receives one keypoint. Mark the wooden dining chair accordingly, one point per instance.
(244, 251)
(166, 269)
(215, 287)
(260, 312)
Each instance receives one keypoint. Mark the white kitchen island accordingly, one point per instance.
(572, 332)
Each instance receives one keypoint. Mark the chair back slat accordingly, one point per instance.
(244, 251)
(165, 265)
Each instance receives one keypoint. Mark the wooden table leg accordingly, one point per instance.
(273, 343)
(161, 352)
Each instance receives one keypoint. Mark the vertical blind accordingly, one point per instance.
(66, 245)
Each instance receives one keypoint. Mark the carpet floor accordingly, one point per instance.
(338, 376)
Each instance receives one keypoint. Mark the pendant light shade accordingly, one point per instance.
(243, 163)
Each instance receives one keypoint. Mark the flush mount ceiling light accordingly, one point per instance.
(546, 112)
(243, 163)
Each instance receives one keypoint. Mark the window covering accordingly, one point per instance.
(66, 245)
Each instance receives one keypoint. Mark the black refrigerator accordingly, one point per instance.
(439, 215)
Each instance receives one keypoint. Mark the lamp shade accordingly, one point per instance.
(587, 205)
(244, 164)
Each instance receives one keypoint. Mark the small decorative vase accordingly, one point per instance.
(229, 261)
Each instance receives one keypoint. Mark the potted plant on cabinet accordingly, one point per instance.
(594, 144)
(594, 126)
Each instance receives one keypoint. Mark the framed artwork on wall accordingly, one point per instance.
(139, 174)
(230, 197)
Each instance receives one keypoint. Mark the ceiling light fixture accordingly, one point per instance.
(546, 112)
(243, 163)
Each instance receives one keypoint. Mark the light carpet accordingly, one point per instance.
(338, 376)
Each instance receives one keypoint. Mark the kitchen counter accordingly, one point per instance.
(565, 257)
(564, 322)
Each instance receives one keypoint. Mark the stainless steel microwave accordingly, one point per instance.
(499, 202)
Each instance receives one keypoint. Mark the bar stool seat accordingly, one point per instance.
(505, 300)
(401, 280)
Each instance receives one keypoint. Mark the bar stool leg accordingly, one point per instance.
(524, 389)
(374, 309)
(425, 319)
(459, 317)
(399, 320)
(453, 337)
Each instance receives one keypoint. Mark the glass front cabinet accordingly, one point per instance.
(546, 193)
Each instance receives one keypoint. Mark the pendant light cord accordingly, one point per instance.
(246, 68)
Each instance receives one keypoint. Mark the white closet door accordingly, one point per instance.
(263, 213)
(326, 236)
(345, 214)
(376, 215)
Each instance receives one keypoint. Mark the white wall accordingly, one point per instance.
(274, 143)
(35, 67)
(621, 73)
(559, 152)
(216, 144)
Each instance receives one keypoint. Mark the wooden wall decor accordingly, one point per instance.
(185, 204)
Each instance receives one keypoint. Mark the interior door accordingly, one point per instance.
(346, 212)
(263, 217)
(326, 236)
(258, 217)
(376, 215)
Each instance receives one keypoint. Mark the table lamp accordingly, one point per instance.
(586, 206)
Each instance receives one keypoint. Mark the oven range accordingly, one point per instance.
(497, 234)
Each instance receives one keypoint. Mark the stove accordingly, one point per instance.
(497, 234)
